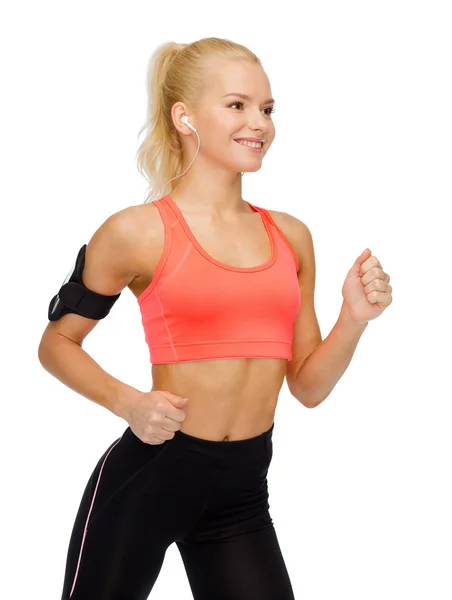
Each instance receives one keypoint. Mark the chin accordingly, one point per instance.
(257, 168)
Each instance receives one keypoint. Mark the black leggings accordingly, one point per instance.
(209, 497)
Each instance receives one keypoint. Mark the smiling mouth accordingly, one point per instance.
(260, 147)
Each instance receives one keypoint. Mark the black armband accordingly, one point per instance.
(75, 297)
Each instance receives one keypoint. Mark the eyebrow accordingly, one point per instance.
(246, 97)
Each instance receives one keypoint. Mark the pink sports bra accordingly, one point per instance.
(197, 308)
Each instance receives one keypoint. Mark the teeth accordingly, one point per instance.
(251, 144)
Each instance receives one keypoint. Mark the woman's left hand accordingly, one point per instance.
(366, 290)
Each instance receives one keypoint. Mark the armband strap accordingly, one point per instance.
(75, 297)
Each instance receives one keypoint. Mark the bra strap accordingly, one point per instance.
(286, 241)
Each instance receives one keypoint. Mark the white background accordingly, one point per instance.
(360, 487)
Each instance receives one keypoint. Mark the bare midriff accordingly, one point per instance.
(229, 399)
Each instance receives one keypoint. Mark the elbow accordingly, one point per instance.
(304, 397)
(306, 400)
(51, 345)
(43, 353)
(310, 404)
(313, 404)
(46, 348)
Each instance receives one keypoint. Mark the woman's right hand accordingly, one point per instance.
(155, 416)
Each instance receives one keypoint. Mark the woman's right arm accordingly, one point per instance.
(110, 265)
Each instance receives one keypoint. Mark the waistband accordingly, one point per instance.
(233, 447)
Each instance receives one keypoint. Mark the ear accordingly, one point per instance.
(178, 110)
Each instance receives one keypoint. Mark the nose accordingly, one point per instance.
(259, 122)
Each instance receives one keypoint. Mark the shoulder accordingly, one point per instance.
(134, 225)
(127, 233)
(133, 219)
(296, 231)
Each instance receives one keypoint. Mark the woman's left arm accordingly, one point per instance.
(366, 294)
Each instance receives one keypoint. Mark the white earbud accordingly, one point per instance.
(185, 120)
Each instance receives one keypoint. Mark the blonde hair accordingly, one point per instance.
(175, 74)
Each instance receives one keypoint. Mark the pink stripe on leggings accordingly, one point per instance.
(89, 512)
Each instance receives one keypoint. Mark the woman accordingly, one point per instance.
(225, 290)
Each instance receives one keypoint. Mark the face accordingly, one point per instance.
(221, 119)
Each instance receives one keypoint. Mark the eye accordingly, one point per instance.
(272, 110)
